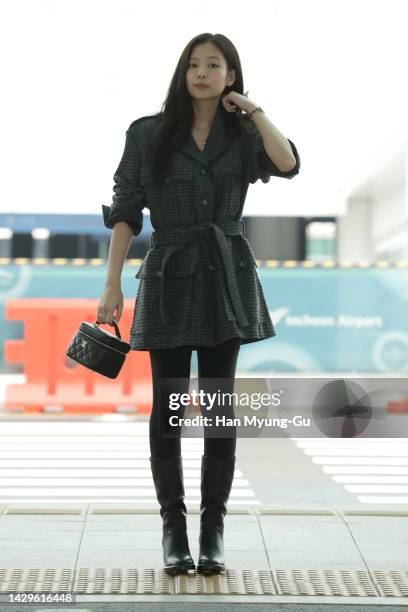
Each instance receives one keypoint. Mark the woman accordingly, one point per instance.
(191, 165)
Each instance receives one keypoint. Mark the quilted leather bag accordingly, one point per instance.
(98, 349)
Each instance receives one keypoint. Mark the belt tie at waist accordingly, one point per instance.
(178, 237)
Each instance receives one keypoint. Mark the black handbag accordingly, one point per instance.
(98, 349)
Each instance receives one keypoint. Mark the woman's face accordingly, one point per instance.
(207, 65)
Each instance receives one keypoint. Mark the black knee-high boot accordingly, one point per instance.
(168, 481)
(217, 475)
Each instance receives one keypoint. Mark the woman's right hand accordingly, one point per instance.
(111, 299)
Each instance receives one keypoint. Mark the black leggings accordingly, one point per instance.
(213, 362)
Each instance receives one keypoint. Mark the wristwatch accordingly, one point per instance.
(258, 108)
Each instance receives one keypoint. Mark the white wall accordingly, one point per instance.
(329, 75)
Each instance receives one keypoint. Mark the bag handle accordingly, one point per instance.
(112, 324)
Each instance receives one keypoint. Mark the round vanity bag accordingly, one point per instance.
(98, 349)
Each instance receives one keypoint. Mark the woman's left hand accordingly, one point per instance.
(234, 100)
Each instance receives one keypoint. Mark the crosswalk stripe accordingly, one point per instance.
(80, 461)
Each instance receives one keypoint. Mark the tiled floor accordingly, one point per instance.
(262, 539)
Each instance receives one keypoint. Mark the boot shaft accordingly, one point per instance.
(169, 484)
(217, 475)
(168, 481)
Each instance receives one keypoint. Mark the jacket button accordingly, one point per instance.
(158, 272)
(211, 267)
(204, 202)
(167, 180)
(203, 171)
(242, 263)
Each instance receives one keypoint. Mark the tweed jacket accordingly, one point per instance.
(198, 283)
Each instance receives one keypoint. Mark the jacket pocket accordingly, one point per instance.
(172, 296)
(242, 253)
(171, 197)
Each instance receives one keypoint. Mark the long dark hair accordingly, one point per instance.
(177, 112)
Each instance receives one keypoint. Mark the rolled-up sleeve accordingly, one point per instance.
(260, 164)
(128, 200)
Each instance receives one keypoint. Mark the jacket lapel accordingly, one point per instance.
(218, 141)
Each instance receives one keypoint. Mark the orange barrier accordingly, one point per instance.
(400, 407)
(54, 382)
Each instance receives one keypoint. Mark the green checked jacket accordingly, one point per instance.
(198, 283)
